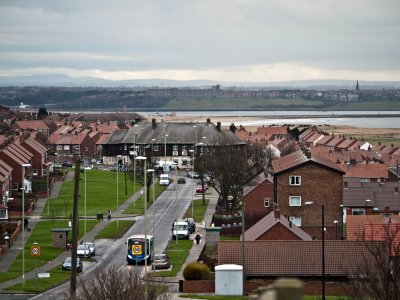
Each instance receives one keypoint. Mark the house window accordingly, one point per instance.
(358, 211)
(184, 148)
(295, 220)
(34, 172)
(66, 147)
(76, 147)
(3, 214)
(184, 162)
(294, 180)
(59, 147)
(295, 201)
(156, 148)
(365, 180)
(175, 148)
(266, 202)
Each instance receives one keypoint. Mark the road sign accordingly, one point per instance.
(35, 250)
(44, 275)
(137, 249)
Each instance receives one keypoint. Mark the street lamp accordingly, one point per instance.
(192, 180)
(367, 201)
(323, 244)
(154, 221)
(165, 148)
(23, 218)
(118, 156)
(144, 159)
(152, 152)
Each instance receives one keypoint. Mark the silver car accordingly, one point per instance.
(92, 248)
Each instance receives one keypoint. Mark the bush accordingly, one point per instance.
(196, 271)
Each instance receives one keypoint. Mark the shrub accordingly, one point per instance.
(196, 271)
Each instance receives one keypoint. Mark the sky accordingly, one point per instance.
(222, 40)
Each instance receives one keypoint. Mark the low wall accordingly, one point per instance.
(311, 287)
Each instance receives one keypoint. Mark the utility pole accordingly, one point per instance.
(75, 220)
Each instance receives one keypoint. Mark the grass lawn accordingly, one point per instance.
(111, 231)
(38, 285)
(137, 207)
(177, 255)
(42, 235)
(101, 194)
(212, 297)
(198, 210)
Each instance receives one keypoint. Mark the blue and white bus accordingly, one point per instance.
(136, 249)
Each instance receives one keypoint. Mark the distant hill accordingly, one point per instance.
(66, 81)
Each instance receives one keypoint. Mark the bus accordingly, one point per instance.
(136, 249)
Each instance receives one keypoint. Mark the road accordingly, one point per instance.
(171, 204)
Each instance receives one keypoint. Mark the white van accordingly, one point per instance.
(180, 228)
(164, 179)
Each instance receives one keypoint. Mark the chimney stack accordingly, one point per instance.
(232, 128)
(208, 120)
(219, 126)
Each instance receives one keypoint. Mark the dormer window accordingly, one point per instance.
(294, 180)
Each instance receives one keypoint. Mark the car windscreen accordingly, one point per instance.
(180, 227)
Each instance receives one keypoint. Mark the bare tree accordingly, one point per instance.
(379, 279)
(111, 283)
(290, 147)
(229, 171)
(260, 156)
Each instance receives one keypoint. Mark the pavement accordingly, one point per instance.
(10, 255)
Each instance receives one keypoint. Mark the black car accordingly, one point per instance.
(67, 164)
(181, 180)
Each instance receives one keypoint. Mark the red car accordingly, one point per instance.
(199, 189)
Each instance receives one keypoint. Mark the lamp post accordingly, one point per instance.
(116, 210)
(152, 153)
(144, 159)
(323, 245)
(336, 224)
(85, 201)
(23, 219)
(192, 181)
(165, 148)
(154, 221)
(367, 201)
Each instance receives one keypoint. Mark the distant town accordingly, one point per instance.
(231, 98)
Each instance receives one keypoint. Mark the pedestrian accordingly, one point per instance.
(109, 215)
(197, 238)
(26, 222)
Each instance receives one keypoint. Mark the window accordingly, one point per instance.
(34, 172)
(295, 220)
(365, 180)
(66, 147)
(184, 162)
(59, 147)
(156, 148)
(294, 201)
(76, 147)
(266, 202)
(294, 180)
(175, 148)
(3, 214)
(184, 148)
(358, 211)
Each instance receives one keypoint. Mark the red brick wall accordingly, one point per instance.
(254, 209)
(311, 287)
(278, 232)
(198, 286)
(318, 184)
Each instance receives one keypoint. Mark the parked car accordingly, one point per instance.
(68, 262)
(181, 180)
(67, 164)
(192, 225)
(199, 189)
(83, 250)
(161, 261)
(92, 248)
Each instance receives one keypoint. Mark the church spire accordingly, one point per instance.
(357, 86)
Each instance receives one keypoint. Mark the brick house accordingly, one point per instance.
(367, 172)
(5, 182)
(258, 197)
(32, 125)
(299, 179)
(275, 227)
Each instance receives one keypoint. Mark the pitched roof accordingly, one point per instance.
(367, 171)
(178, 133)
(256, 182)
(32, 124)
(268, 222)
(269, 130)
(326, 139)
(335, 141)
(297, 258)
(298, 158)
(379, 194)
